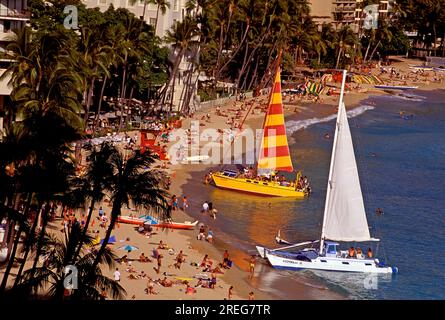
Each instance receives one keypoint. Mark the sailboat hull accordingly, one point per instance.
(337, 264)
(272, 189)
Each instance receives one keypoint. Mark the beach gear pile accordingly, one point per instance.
(366, 79)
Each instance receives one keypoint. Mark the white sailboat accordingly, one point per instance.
(344, 215)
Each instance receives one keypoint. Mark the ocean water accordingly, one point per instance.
(402, 170)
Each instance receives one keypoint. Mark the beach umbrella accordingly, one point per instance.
(129, 248)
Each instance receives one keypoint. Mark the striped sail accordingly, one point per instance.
(274, 152)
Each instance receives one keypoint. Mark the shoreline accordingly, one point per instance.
(183, 178)
(305, 111)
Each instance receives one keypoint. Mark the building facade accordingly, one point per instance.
(346, 12)
(176, 12)
(13, 15)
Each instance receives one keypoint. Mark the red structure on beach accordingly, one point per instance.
(148, 141)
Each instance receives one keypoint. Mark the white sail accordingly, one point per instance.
(345, 217)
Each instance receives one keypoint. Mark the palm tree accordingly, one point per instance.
(162, 5)
(133, 181)
(182, 36)
(345, 40)
(93, 184)
(49, 279)
(94, 52)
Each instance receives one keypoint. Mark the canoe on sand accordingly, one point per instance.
(187, 225)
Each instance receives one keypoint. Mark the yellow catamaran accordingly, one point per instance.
(274, 156)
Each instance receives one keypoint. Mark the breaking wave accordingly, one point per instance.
(293, 125)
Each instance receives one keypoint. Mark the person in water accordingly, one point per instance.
(379, 211)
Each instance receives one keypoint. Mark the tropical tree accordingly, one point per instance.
(49, 279)
(345, 40)
(133, 182)
(182, 38)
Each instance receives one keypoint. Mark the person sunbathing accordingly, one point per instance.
(131, 269)
(203, 283)
(217, 270)
(143, 258)
(190, 290)
(162, 245)
(150, 289)
(165, 282)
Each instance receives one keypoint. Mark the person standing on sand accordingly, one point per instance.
(252, 266)
(201, 233)
(159, 259)
(229, 295)
(210, 236)
(251, 295)
(185, 204)
(117, 275)
(179, 259)
(225, 259)
(205, 207)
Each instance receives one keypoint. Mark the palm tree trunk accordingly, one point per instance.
(88, 102)
(124, 75)
(254, 75)
(84, 232)
(338, 57)
(15, 246)
(157, 16)
(174, 71)
(41, 236)
(242, 69)
(115, 212)
(375, 49)
(367, 50)
(434, 37)
(143, 11)
(96, 121)
(240, 45)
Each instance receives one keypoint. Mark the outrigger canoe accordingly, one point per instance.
(395, 87)
(187, 225)
(176, 225)
(130, 220)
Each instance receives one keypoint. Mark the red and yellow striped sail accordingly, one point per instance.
(274, 152)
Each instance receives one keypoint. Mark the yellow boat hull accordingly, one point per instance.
(263, 188)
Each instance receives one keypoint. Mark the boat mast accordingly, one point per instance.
(277, 69)
(328, 191)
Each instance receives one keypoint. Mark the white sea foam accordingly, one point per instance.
(295, 125)
(409, 97)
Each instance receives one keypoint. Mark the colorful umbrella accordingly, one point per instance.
(111, 240)
(129, 248)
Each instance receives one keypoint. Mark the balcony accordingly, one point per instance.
(344, 9)
(13, 14)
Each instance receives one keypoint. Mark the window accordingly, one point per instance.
(152, 21)
(7, 26)
(102, 1)
(175, 5)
